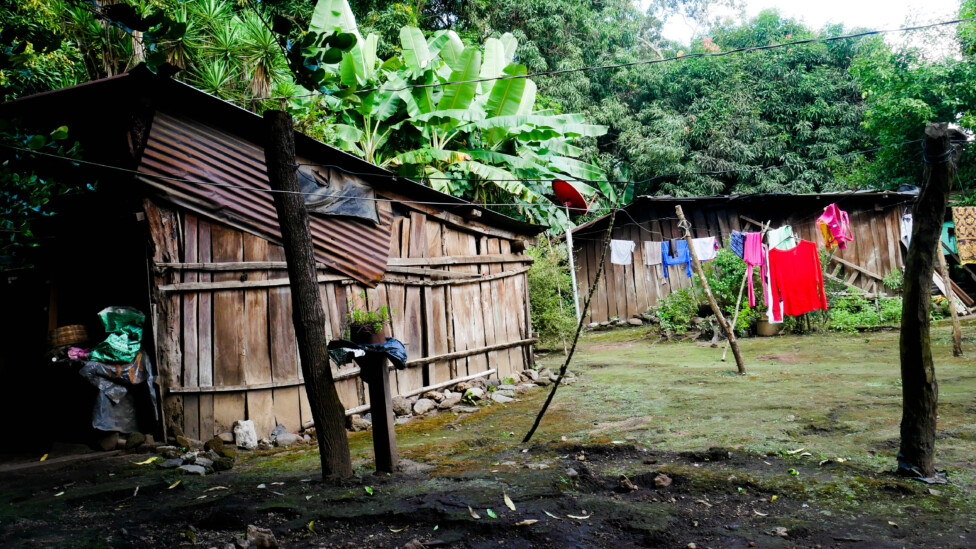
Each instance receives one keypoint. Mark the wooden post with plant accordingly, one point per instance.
(328, 413)
(729, 330)
(920, 390)
(366, 327)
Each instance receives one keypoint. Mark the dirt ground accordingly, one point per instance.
(797, 453)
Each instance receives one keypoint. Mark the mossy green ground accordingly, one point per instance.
(638, 409)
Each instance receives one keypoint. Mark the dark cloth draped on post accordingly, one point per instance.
(342, 351)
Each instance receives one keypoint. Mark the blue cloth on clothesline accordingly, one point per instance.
(681, 255)
(737, 243)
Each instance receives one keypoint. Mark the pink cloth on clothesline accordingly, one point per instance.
(754, 254)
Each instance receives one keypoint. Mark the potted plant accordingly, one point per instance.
(366, 326)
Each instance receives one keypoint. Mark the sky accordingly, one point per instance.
(870, 14)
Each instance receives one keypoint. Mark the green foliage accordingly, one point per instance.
(368, 321)
(34, 56)
(894, 280)
(853, 312)
(550, 286)
(478, 140)
(675, 310)
(725, 274)
(29, 181)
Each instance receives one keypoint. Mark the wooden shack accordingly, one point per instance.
(628, 290)
(183, 226)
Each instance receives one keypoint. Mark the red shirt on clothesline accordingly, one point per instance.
(797, 280)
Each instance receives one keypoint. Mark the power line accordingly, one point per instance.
(636, 63)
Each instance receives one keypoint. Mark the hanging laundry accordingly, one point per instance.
(681, 255)
(652, 252)
(736, 242)
(949, 237)
(754, 254)
(705, 248)
(796, 280)
(622, 252)
(782, 238)
(835, 226)
(965, 222)
(906, 229)
(774, 309)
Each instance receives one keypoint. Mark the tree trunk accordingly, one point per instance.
(920, 390)
(328, 412)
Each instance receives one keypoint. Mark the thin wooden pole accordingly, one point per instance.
(729, 331)
(735, 317)
(950, 295)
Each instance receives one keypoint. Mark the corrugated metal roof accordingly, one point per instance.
(226, 176)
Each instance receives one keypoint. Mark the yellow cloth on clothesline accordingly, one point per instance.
(964, 218)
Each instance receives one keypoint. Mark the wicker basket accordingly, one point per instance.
(74, 334)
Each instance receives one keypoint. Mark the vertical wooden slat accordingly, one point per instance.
(283, 349)
(892, 229)
(435, 312)
(491, 306)
(414, 246)
(228, 337)
(513, 301)
(257, 360)
(205, 334)
(475, 323)
(638, 269)
(191, 365)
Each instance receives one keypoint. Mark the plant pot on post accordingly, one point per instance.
(375, 373)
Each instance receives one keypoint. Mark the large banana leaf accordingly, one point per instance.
(459, 96)
(528, 97)
(493, 63)
(502, 178)
(381, 104)
(416, 55)
(510, 44)
(450, 47)
(576, 168)
(329, 14)
(504, 100)
(516, 162)
(457, 115)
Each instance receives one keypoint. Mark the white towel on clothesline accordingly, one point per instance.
(704, 248)
(622, 252)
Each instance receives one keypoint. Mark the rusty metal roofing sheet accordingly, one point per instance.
(214, 172)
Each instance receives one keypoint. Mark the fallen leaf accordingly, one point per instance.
(203, 497)
(508, 501)
(774, 498)
(528, 522)
(369, 490)
(215, 488)
(935, 492)
(174, 485)
(579, 517)
(760, 514)
(59, 494)
(703, 502)
(308, 498)
(398, 530)
(797, 451)
(277, 493)
(277, 483)
(44, 457)
(491, 513)
(474, 515)
(135, 492)
(551, 515)
(191, 536)
(147, 462)
(824, 461)
(311, 526)
(805, 454)
(793, 472)
(262, 486)
(436, 526)
(892, 524)
(840, 460)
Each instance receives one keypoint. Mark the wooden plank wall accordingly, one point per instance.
(625, 291)
(244, 337)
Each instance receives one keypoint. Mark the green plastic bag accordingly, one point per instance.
(124, 328)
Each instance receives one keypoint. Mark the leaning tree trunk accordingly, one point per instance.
(920, 390)
(328, 413)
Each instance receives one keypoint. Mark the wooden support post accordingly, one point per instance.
(308, 315)
(735, 317)
(729, 331)
(956, 329)
(373, 370)
(920, 390)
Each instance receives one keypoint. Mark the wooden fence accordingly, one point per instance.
(225, 339)
(626, 291)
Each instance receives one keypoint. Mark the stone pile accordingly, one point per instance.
(463, 397)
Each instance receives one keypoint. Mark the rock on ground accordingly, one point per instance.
(193, 469)
(635, 322)
(450, 402)
(401, 406)
(423, 406)
(433, 395)
(172, 463)
(262, 538)
(286, 439)
(226, 437)
(500, 398)
(475, 393)
(279, 429)
(358, 423)
(244, 434)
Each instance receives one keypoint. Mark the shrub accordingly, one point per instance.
(894, 280)
(550, 286)
(676, 310)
